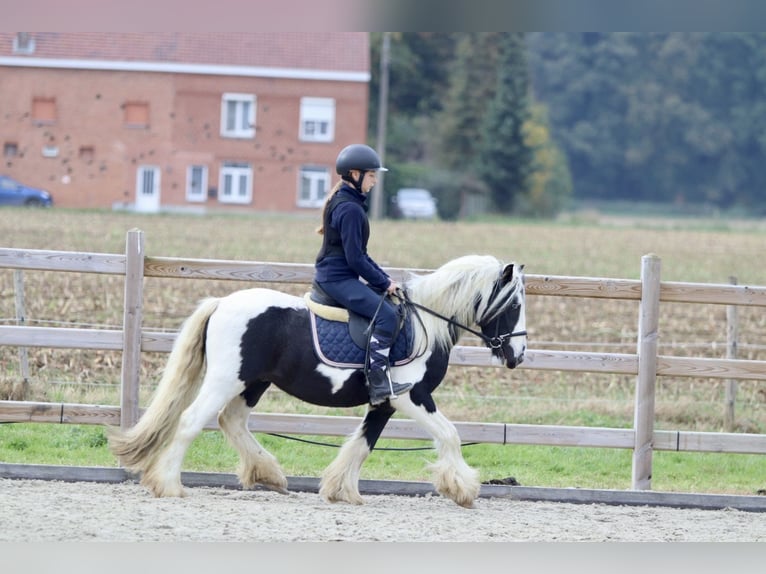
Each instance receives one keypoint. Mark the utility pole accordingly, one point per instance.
(378, 192)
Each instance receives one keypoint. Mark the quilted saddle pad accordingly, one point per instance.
(334, 346)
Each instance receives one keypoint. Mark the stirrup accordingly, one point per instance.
(382, 388)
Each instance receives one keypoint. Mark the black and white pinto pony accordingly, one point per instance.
(231, 349)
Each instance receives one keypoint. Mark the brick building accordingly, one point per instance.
(173, 120)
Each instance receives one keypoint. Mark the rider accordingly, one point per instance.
(343, 259)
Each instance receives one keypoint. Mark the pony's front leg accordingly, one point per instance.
(340, 480)
(452, 477)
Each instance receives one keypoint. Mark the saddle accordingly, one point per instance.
(341, 336)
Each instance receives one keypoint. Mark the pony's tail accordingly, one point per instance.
(137, 447)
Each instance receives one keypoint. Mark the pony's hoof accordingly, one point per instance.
(279, 488)
(466, 501)
(275, 482)
(169, 492)
(356, 499)
(355, 502)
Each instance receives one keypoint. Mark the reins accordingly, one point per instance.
(492, 342)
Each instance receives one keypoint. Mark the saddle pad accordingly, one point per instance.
(334, 346)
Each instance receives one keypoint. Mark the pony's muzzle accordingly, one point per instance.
(513, 360)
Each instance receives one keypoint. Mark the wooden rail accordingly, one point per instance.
(645, 364)
(470, 432)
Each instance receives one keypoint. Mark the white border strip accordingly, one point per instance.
(175, 68)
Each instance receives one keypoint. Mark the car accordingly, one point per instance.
(14, 193)
(414, 203)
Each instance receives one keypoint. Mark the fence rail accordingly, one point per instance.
(646, 364)
(490, 433)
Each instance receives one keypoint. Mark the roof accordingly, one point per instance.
(346, 52)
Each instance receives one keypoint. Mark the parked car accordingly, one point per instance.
(14, 193)
(414, 203)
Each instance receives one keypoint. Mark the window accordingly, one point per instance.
(50, 150)
(317, 119)
(313, 186)
(238, 116)
(236, 183)
(136, 114)
(23, 43)
(10, 149)
(196, 183)
(44, 110)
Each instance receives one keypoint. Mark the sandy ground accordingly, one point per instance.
(45, 511)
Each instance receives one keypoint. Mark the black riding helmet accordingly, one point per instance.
(357, 156)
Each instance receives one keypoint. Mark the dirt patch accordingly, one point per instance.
(36, 510)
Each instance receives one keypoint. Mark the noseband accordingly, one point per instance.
(497, 341)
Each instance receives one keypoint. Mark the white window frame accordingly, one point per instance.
(238, 115)
(313, 185)
(317, 121)
(23, 43)
(196, 194)
(241, 177)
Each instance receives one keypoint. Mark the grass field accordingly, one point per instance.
(582, 245)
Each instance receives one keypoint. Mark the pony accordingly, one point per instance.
(232, 348)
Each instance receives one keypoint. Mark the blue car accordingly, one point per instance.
(14, 193)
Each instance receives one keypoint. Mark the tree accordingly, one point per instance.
(664, 117)
(505, 160)
(442, 87)
(418, 78)
(473, 80)
(550, 183)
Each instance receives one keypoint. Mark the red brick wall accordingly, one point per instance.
(184, 112)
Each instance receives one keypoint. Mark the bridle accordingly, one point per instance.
(495, 342)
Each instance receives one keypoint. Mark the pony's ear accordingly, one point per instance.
(507, 273)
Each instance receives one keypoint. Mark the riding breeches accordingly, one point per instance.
(363, 300)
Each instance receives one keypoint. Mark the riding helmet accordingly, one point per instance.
(358, 156)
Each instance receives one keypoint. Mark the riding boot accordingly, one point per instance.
(379, 383)
(382, 388)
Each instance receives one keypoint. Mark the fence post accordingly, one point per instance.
(21, 320)
(648, 334)
(732, 333)
(132, 319)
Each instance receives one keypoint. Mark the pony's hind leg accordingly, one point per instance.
(452, 477)
(163, 477)
(256, 464)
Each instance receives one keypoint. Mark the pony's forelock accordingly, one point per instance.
(500, 301)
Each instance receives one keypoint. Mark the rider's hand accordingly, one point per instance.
(393, 287)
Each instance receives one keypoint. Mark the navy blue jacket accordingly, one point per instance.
(344, 249)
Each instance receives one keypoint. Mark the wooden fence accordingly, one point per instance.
(646, 364)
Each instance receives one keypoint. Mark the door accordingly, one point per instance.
(148, 188)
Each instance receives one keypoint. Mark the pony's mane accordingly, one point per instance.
(461, 288)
